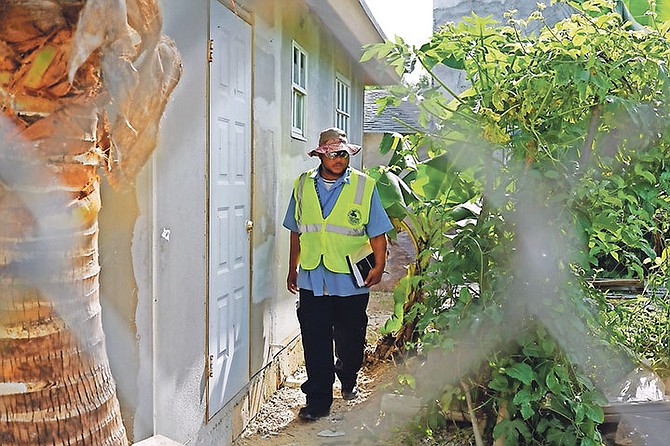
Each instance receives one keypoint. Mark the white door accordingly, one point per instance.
(229, 207)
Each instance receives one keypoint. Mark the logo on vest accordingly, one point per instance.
(354, 216)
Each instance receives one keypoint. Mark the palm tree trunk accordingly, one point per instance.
(64, 113)
(56, 386)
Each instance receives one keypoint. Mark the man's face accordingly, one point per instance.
(334, 164)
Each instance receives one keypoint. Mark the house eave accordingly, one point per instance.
(353, 25)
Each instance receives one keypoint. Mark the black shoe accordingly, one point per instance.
(310, 413)
(350, 394)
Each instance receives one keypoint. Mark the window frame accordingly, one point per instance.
(299, 79)
(342, 102)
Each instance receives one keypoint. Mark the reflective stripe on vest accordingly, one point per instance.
(332, 228)
(298, 201)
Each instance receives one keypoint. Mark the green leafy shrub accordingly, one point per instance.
(549, 171)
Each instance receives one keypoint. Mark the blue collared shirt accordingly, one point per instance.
(322, 281)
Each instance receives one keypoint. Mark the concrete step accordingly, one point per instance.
(638, 424)
(656, 409)
(158, 440)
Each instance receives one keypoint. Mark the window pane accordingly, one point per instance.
(342, 106)
(296, 66)
(303, 69)
(298, 111)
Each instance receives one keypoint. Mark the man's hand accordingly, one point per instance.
(374, 276)
(292, 281)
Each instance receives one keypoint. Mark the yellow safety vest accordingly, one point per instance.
(342, 232)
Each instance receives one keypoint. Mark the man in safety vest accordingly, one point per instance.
(334, 210)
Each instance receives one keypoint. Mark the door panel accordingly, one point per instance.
(230, 198)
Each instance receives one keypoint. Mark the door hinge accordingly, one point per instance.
(210, 50)
(210, 366)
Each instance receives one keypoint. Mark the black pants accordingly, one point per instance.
(324, 319)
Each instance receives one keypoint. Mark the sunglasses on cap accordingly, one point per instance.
(337, 154)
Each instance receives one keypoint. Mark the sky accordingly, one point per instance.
(410, 19)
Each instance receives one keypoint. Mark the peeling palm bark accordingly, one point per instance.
(83, 85)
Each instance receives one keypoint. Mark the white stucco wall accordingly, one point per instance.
(273, 323)
(153, 290)
(171, 315)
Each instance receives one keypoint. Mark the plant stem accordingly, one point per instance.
(473, 417)
(439, 81)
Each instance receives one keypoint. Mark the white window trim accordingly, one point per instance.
(339, 111)
(298, 131)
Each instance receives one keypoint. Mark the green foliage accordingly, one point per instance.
(649, 12)
(543, 397)
(568, 128)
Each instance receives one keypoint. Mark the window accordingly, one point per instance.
(342, 102)
(299, 99)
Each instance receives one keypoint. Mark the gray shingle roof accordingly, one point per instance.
(388, 120)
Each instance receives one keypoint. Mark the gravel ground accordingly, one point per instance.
(357, 422)
(277, 422)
